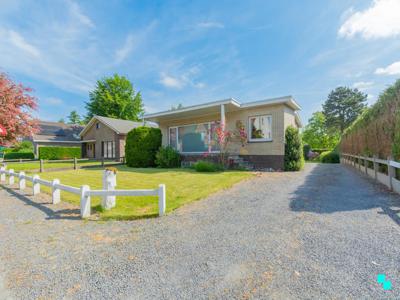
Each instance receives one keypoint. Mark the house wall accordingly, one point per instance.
(104, 133)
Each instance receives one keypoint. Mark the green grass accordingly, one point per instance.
(182, 186)
(35, 165)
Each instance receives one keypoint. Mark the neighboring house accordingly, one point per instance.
(56, 134)
(105, 137)
(188, 129)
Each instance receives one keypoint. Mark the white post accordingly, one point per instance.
(161, 200)
(3, 174)
(11, 177)
(55, 192)
(391, 173)
(36, 185)
(22, 182)
(109, 184)
(223, 116)
(376, 168)
(85, 201)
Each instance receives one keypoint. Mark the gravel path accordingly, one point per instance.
(322, 233)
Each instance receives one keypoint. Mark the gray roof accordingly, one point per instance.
(118, 125)
(57, 132)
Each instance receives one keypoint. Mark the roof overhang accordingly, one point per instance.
(212, 108)
(90, 124)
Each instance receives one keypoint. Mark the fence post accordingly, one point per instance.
(391, 173)
(102, 161)
(366, 162)
(3, 174)
(22, 182)
(36, 185)
(109, 184)
(11, 177)
(41, 166)
(359, 163)
(85, 201)
(75, 163)
(161, 199)
(55, 192)
(376, 168)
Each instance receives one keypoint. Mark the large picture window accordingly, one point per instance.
(195, 138)
(108, 149)
(260, 128)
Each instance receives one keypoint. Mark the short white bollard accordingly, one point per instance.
(55, 192)
(11, 179)
(22, 182)
(3, 174)
(85, 201)
(109, 184)
(36, 185)
(161, 200)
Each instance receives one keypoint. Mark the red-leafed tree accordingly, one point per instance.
(16, 107)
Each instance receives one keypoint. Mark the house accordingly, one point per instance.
(190, 129)
(105, 137)
(56, 134)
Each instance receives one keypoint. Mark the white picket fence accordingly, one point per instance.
(84, 191)
(388, 179)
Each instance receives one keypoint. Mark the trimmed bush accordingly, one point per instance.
(168, 157)
(19, 155)
(53, 153)
(329, 157)
(206, 166)
(142, 144)
(294, 160)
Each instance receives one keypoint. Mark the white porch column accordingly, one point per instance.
(223, 116)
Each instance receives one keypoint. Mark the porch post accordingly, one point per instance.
(223, 116)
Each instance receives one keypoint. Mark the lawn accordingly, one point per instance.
(182, 186)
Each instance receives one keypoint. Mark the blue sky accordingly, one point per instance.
(191, 52)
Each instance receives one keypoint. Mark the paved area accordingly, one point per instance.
(323, 233)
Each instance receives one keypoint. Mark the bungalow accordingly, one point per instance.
(55, 134)
(105, 137)
(188, 129)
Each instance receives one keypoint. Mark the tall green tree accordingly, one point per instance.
(74, 118)
(294, 159)
(115, 97)
(343, 106)
(317, 135)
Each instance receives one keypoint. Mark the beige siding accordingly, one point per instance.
(104, 133)
(290, 118)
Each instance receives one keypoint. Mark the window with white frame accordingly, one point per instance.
(108, 149)
(260, 128)
(195, 138)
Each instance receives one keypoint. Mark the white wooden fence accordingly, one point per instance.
(84, 191)
(388, 179)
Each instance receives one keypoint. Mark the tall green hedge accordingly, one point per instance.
(59, 152)
(294, 159)
(142, 144)
(19, 155)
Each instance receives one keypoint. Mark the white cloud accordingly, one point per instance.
(18, 41)
(380, 20)
(172, 82)
(53, 101)
(210, 25)
(77, 14)
(393, 69)
(122, 53)
(363, 85)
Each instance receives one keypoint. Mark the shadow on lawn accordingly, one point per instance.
(62, 214)
(334, 188)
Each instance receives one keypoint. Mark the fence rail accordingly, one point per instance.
(84, 191)
(388, 179)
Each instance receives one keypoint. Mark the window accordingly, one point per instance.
(108, 149)
(260, 128)
(97, 125)
(196, 138)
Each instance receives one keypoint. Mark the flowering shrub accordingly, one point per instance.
(241, 132)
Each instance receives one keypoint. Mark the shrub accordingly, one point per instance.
(168, 157)
(329, 157)
(142, 144)
(19, 155)
(59, 152)
(294, 160)
(24, 146)
(206, 166)
(306, 151)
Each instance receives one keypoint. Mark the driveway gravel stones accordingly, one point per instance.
(322, 233)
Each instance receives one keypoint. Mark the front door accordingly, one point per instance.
(90, 150)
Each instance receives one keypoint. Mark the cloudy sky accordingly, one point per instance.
(191, 52)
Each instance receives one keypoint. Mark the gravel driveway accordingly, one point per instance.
(322, 233)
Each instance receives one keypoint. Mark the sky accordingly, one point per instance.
(191, 52)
